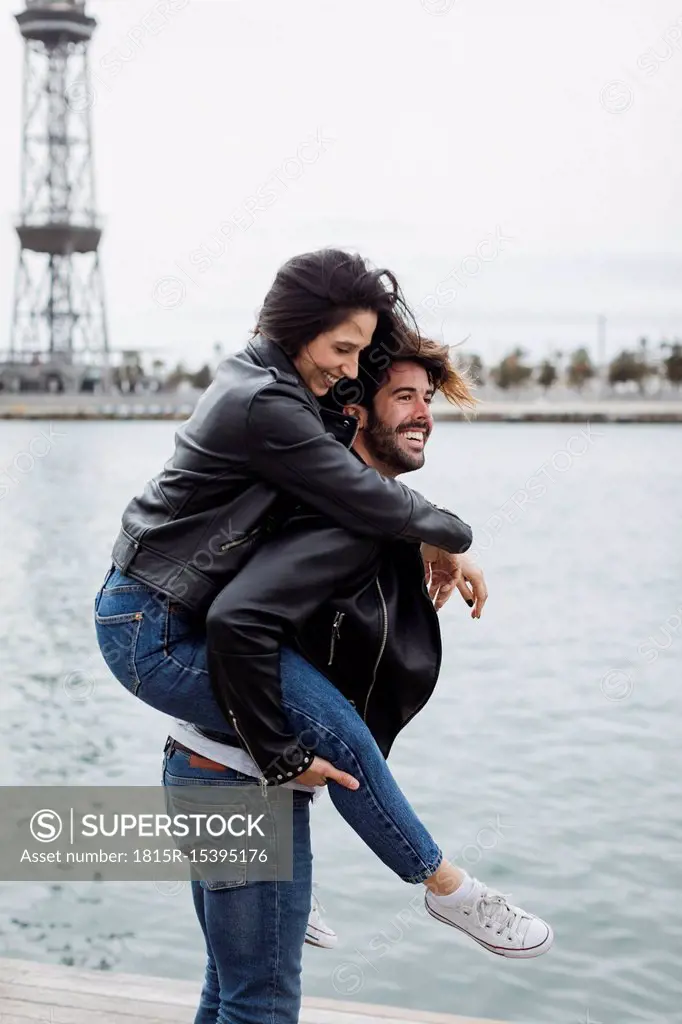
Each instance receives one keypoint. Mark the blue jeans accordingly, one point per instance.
(254, 931)
(159, 654)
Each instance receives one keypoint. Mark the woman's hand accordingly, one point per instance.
(445, 572)
(472, 585)
(442, 573)
(321, 770)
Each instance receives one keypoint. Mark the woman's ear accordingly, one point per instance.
(359, 412)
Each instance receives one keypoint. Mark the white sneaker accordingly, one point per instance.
(318, 933)
(494, 923)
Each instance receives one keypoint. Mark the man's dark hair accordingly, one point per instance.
(377, 359)
(317, 291)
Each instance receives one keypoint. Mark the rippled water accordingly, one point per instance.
(547, 762)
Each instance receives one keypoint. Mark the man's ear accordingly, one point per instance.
(359, 412)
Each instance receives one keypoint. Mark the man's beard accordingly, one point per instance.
(382, 442)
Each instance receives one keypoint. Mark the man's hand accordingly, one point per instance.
(444, 572)
(320, 771)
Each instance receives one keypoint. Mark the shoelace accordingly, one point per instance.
(492, 908)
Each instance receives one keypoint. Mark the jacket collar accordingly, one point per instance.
(342, 426)
(269, 354)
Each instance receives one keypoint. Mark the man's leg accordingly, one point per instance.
(254, 931)
(209, 1003)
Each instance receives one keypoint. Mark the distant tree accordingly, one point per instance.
(629, 366)
(512, 372)
(547, 375)
(673, 364)
(202, 378)
(177, 376)
(580, 369)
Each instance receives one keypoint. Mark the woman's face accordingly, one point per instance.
(334, 354)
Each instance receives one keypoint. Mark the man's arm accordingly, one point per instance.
(288, 446)
(284, 582)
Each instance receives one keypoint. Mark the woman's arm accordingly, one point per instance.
(285, 581)
(289, 447)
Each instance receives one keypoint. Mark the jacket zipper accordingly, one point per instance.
(336, 629)
(384, 638)
(242, 540)
(263, 780)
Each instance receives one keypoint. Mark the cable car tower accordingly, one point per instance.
(59, 320)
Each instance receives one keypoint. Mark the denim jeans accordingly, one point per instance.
(254, 931)
(160, 656)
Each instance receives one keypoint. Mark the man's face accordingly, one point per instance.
(400, 422)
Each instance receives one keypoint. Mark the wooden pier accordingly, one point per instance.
(37, 993)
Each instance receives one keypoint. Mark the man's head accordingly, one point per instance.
(394, 406)
(396, 425)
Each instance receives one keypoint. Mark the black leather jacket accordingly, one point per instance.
(256, 432)
(366, 623)
(381, 646)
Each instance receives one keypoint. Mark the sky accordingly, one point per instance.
(518, 166)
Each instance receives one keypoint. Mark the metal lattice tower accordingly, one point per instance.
(59, 310)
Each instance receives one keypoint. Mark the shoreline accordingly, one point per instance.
(179, 408)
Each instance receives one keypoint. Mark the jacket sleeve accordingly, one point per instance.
(286, 580)
(289, 446)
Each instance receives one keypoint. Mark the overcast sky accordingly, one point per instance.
(518, 165)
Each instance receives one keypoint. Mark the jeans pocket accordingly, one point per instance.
(215, 865)
(118, 619)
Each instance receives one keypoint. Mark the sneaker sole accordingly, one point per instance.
(511, 954)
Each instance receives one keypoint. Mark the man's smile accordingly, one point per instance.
(416, 437)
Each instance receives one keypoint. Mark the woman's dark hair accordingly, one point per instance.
(317, 291)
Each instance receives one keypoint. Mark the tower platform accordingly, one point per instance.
(48, 21)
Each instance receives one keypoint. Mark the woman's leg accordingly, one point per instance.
(156, 654)
(254, 931)
(378, 811)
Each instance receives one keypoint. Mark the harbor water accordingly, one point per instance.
(547, 762)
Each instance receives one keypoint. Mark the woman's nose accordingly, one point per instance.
(349, 368)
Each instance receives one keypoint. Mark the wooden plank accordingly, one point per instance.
(38, 1013)
(317, 1007)
(37, 993)
(109, 984)
(118, 1002)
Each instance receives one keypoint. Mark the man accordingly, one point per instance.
(394, 426)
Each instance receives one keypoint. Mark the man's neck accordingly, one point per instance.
(360, 449)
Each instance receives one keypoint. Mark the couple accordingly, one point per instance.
(268, 587)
